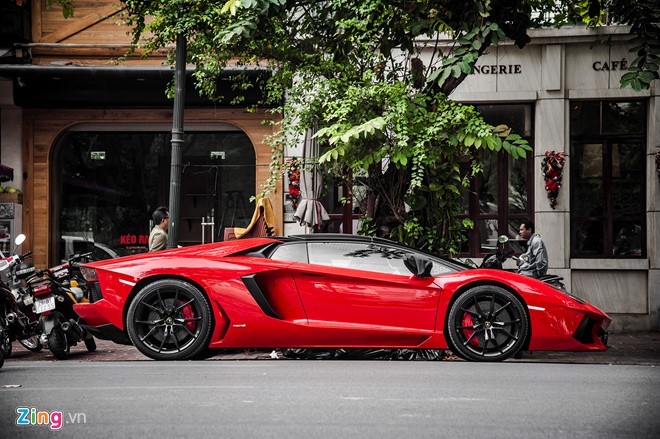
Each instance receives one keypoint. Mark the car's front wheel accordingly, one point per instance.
(169, 319)
(487, 323)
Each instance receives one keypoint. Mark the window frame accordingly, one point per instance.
(502, 216)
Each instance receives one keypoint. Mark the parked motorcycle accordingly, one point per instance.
(55, 292)
(17, 321)
(496, 261)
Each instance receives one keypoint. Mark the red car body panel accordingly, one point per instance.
(318, 306)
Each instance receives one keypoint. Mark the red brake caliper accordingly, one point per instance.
(188, 314)
(467, 333)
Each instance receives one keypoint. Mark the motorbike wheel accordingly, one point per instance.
(6, 347)
(31, 344)
(90, 343)
(170, 319)
(487, 323)
(2, 359)
(58, 343)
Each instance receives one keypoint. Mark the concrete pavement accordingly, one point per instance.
(631, 348)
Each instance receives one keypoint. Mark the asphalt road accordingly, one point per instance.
(321, 399)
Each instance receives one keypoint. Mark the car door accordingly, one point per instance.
(364, 286)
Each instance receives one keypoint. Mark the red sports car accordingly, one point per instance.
(328, 291)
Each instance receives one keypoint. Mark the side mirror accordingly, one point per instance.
(502, 239)
(20, 239)
(420, 267)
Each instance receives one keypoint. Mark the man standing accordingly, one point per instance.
(534, 262)
(158, 236)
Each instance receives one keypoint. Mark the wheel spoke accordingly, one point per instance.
(483, 349)
(515, 337)
(178, 308)
(475, 326)
(162, 342)
(492, 305)
(500, 310)
(185, 328)
(149, 322)
(153, 308)
(471, 337)
(470, 312)
(176, 341)
(152, 330)
(506, 323)
(162, 304)
(477, 307)
(193, 319)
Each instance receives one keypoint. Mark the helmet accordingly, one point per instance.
(25, 270)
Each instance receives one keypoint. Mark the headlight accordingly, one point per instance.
(89, 274)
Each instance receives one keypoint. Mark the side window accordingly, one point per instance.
(294, 252)
(359, 256)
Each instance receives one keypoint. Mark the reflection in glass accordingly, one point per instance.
(627, 238)
(517, 185)
(589, 238)
(488, 233)
(488, 199)
(624, 118)
(585, 118)
(587, 185)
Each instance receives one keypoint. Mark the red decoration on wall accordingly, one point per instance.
(553, 168)
(293, 172)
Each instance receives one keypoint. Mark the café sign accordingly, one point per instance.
(601, 66)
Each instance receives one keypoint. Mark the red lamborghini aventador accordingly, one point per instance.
(328, 291)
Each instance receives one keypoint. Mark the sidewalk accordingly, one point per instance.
(634, 348)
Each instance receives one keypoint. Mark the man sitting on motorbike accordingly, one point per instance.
(534, 262)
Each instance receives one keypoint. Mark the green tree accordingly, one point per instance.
(350, 71)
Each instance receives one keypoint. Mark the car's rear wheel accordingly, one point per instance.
(487, 323)
(169, 320)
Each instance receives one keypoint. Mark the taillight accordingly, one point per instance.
(89, 274)
(60, 271)
(41, 290)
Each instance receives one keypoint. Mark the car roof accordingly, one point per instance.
(325, 237)
(337, 237)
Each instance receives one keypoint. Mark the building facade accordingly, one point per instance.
(562, 93)
(89, 139)
(89, 144)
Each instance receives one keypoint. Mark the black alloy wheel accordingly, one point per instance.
(487, 323)
(31, 344)
(58, 343)
(169, 320)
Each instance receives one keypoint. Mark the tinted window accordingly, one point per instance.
(374, 257)
(296, 252)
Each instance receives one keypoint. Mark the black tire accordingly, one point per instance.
(58, 344)
(169, 320)
(2, 359)
(32, 344)
(487, 323)
(90, 343)
(6, 347)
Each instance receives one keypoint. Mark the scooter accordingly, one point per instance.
(55, 293)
